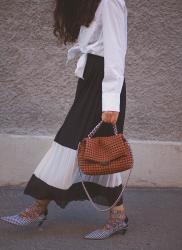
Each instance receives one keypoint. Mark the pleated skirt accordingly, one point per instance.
(57, 176)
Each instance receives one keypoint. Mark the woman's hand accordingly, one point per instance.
(110, 116)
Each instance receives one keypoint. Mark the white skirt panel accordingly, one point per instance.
(59, 168)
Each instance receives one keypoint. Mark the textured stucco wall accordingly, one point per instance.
(37, 88)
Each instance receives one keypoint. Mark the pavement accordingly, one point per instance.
(155, 223)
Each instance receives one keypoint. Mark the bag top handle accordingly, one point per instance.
(94, 130)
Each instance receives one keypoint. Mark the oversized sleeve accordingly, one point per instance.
(114, 22)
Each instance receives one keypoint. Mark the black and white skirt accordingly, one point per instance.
(57, 175)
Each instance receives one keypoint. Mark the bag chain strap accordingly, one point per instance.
(97, 208)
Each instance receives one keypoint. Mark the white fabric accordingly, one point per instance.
(59, 168)
(106, 36)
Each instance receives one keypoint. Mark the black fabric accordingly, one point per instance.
(82, 117)
(86, 110)
(105, 196)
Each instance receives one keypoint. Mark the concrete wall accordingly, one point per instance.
(37, 87)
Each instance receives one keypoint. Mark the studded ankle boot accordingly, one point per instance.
(116, 223)
(37, 212)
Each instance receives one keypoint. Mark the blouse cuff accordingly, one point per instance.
(111, 102)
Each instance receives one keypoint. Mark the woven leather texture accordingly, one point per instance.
(104, 155)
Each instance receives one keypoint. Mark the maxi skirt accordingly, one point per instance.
(57, 175)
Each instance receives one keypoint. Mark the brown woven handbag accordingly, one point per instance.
(104, 155)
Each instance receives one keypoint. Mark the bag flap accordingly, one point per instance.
(105, 148)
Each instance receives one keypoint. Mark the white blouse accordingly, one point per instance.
(106, 36)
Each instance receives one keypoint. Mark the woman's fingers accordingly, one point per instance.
(110, 116)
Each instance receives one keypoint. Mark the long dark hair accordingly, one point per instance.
(69, 15)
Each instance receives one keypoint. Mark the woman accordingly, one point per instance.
(98, 29)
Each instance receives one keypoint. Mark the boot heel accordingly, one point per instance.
(123, 231)
(43, 219)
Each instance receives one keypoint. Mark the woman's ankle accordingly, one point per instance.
(43, 203)
(118, 212)
(36, 208)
